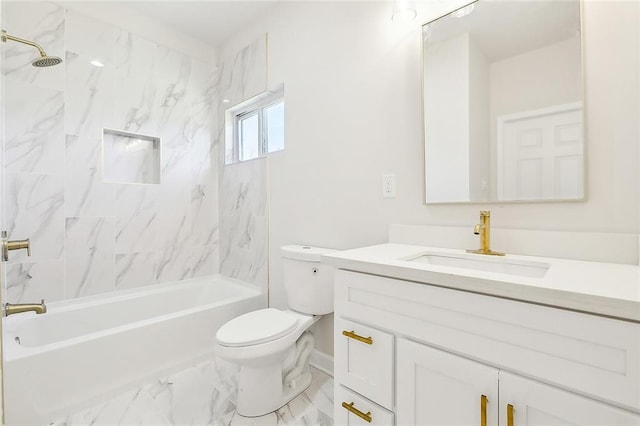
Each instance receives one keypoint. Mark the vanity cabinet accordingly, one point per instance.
(442, 356)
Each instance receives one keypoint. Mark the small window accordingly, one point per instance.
(248, 134)
(257, 128)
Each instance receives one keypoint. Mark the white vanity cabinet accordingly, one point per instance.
(455, 357)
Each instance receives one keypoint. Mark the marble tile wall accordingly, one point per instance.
(243, 190)
(89, 236)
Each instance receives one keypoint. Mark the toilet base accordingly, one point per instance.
(271, 394)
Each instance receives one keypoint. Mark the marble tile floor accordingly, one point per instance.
(204, 395)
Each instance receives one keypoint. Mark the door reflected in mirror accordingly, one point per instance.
(503, 103)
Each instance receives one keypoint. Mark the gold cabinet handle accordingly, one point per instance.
(509, 415)
(351, 334)
(483, 410)
(349, 407)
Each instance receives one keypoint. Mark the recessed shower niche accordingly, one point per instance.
(130, 157)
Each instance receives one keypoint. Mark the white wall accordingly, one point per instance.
(447, 112)
(479, 124)
(353, 112)
(542, 78)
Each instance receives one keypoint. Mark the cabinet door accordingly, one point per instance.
(537, 404)
(438, 388)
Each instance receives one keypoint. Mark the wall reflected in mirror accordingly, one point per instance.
(503, 103)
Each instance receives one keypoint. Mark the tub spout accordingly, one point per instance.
(16, 308)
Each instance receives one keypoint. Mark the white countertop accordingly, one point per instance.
(600, 288)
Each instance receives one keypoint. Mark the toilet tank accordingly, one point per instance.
(309, 284)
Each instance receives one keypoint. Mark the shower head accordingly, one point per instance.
(46, 61)
(43, 61)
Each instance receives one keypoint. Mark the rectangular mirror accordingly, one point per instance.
(503, 103)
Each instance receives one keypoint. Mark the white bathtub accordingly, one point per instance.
(84, 350)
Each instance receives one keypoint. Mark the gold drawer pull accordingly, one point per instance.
(509, 415)
(483, 410)
(349, 407)
(353, 335)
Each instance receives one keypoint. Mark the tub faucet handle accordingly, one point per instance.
(13, 245)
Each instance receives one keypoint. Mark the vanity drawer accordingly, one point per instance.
(596, 356)
(364, 360)
(353, 409)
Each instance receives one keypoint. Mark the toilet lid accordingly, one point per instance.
(256, 327)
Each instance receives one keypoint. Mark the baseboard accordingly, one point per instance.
(322, 362)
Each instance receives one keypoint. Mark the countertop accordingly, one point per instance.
(599, 288)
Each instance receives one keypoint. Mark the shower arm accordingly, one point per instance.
(4, 37)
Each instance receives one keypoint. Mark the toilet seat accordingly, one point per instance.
(254, 328)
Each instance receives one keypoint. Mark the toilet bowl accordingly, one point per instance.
(266, 345)
(273, 346)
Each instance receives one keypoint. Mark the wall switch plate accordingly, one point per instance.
(389, 186)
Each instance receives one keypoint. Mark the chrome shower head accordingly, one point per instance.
(43, 61)
(46, 61)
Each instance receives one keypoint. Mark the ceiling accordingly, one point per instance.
(212, 21)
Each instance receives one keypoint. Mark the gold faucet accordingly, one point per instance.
(11, 308)
(484, 230)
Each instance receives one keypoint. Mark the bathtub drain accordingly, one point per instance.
(18, 339)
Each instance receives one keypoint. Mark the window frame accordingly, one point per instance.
(237, 133)
(255, 106)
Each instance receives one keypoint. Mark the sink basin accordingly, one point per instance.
(479, 262)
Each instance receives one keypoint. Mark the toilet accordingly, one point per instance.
(273, 347)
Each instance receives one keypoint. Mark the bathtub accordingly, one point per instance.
(85, 350)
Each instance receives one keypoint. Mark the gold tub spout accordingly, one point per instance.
(16, 308)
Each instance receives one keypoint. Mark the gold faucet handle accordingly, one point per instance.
(18, 245)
